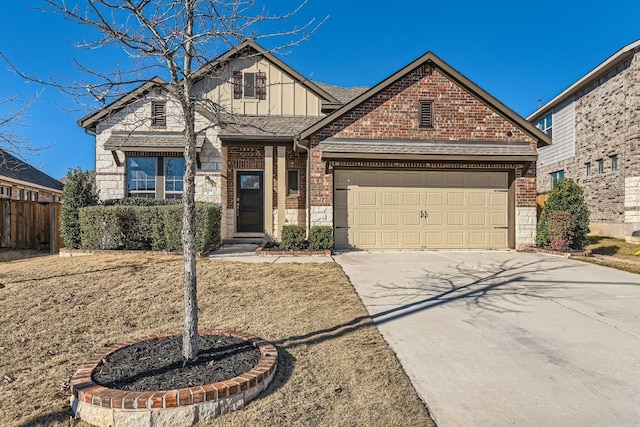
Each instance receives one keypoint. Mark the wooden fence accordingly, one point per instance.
(541, 199)
(30, 225)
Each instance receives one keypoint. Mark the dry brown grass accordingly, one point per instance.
(334, 367)
(614, 253)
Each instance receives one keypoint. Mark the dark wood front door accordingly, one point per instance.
(250, 202)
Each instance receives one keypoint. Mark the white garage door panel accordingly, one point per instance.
(394, 209)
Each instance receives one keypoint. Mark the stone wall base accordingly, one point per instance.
(526, 220)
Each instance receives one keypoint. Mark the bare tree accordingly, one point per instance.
(175, 39)
(12, 117)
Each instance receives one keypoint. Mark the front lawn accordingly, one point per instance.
(615, 253)
(334, 369)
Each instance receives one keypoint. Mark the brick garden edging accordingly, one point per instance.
(102, 406)
(260, 250)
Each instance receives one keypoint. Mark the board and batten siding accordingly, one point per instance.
(563, 146)
(285, 95)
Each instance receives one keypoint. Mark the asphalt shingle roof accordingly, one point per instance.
(342, 94)
(151, 141)
(462, 148)
(266, 125)
(14, 168)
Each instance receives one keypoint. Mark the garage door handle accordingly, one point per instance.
(500, 191)
(501, 228)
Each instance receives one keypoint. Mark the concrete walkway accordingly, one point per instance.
(502, 338)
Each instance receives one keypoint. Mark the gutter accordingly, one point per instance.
(296, 145)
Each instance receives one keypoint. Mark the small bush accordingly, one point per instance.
(561, 228)
(567, 196)
(78, 193)
(292, 237)
(320, 238)
(146, 227)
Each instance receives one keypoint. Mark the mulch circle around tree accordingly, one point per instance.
(157, 364)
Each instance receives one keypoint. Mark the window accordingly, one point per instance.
(141, 177)
(27, 195)
(20, 194)
(145, 173)
(426, 114)
(555, 177)
(587, 168)
(600, 165)
(614, 162)
(249, 85)
(546, 124)
(5, 191)
(158, 113)
(293, 182)
(173, 177)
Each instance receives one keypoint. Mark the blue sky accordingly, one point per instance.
(517, 51)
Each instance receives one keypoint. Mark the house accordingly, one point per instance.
(21, 181)
(595, 129)
(424, 159)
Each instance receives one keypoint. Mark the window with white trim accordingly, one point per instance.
(5, 191)
(546, 125)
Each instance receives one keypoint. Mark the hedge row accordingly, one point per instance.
(146, 227)
(320, 237)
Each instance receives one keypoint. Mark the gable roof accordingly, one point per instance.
(432, 59)
(261, 51)
(603, 68)
(90, 120)
(14, 169)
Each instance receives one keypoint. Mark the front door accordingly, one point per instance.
(250, 202)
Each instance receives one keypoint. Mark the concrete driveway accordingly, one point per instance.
(503, 338)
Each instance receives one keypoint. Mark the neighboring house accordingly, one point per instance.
(595, 129)
(21, 181)
(425, 159)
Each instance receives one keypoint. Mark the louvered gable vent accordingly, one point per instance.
(426, 114)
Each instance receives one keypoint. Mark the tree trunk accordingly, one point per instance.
(190, 333)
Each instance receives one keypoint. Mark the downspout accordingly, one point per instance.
(296, 145)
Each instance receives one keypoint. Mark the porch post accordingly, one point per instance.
(268, 190)
(282, 187)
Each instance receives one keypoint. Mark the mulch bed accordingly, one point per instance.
(271, 248)
(157, 364)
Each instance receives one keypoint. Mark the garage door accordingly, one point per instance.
(421, 209)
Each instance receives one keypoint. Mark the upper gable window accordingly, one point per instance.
(546, 125)
(425, 114)
(249, 85)
(158, 113)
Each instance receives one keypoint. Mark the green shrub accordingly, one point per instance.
(78, 193)
(292, 237)
(567, 196)
(146, 227)
(321, 237)
(561, 226)
(141, 201)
